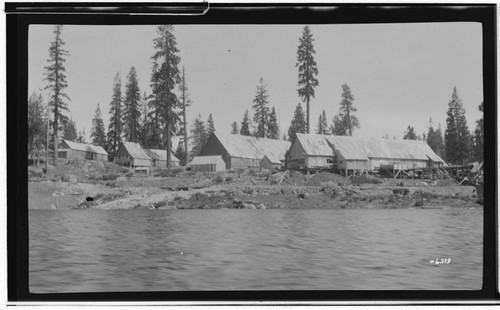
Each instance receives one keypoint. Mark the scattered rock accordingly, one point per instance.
(304, 195)
(69, 178)
(247, 205)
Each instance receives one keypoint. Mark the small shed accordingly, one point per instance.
(208, 163)
(69, 150)
(271, 162)
(131, 154)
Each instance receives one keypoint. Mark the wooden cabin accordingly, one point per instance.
(208, 163)
(243, 151)
(69, 150)
(131, 154)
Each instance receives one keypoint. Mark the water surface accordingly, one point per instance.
(170, 250)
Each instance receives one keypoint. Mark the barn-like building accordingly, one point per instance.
(243, 151)
(354, 154)
(69, 150)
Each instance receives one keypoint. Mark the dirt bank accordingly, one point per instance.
(75, 189)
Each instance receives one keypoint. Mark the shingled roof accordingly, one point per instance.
(135, 150)
(162, 154)
(355, 148)
(252, 147)
(85, 147)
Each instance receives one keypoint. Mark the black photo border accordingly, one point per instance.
(21, 15)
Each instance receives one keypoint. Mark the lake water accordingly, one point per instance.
(170, 250)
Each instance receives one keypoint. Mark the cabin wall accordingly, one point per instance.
(375, 163)
(102, 157)
(243, 163)
(296, 156)
(122, 157)
(138, 162)
(357, 165)
(71, 155)
(218, 165)
(319, 161)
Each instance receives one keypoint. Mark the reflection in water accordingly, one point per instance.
(132, 250)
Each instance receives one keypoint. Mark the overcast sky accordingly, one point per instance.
(399, 74)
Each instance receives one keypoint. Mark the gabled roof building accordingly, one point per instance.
(243, 151)
(73, 150)
(352, 153)
(131, 154)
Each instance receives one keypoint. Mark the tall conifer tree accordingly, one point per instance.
(457, 136)
(245, 125)
(234, 128)
(261, 116)
(166, 76)
(69, 131)
(115, 128)
(185, 102)
(55, 75)
(479, 137)
(98, 131)
(199, 135)
(298, 124)
(308, 70)
(210, 125)
(348, 120)
(131, 107)
(273, 127)
(322, 124)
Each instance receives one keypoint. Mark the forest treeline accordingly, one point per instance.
(153, 119)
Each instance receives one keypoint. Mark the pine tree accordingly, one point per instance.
(97, 133)
(245, 125)
(479, 137)
(457, 135)
(55, 74)
(338, 127)
(261, 116)
(37, 124)
(165, 77)
(322, 124)
(346, 112)
(434, 139)
(131, 107)
(210, 125)
(272, 126)
(69, 130)
(308, 70)
(115, 128)
(298, 124)
(153, 137)
(410, 134)
(180, 153)
(440, 142)
(234, 128)
(199, 135)
(185, 102)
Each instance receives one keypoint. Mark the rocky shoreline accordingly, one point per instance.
(247, 192)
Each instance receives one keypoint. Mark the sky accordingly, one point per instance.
(399, 74)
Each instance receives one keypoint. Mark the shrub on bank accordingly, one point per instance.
(109, 177)
(172, 172)
(365, 180)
